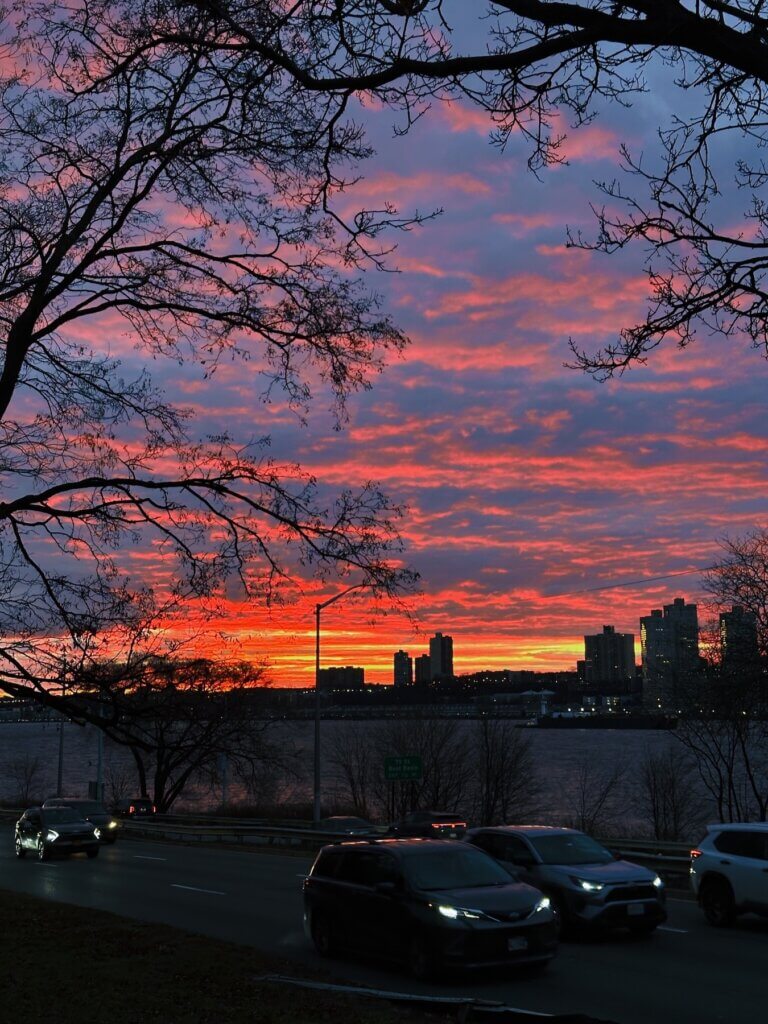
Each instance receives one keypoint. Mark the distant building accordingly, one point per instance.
(669, 648)
(609, 657)
(441, 657)
(337, 678)
(423, 670)
(738, 637)
(403, 669)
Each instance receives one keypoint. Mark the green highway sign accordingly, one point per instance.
(403, 768)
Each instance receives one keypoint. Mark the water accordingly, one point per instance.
(569, 764)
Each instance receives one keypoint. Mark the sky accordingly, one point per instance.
(527, 484)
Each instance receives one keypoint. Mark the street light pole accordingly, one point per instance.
(316, 811)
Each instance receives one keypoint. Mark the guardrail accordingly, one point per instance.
(670, 860)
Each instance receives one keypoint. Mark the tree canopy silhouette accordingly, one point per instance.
(166, 201)
(527, 63)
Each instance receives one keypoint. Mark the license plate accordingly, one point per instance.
(635, 909)
(515, 945)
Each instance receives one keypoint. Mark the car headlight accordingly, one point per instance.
(112, 824)
(658, 882)
(587, 885)
(544, 904)
(462, 912)
(50, 834)
(97, 833)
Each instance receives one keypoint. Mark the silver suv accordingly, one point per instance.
(729, 872)
(589, 887)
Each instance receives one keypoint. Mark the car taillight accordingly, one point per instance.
(154, 809)
(695, 854)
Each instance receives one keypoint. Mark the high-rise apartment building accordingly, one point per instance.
(336, 677)
(441, 657)
(422, 669)
(609, 657)
(669, 649)
(403, 669)
(738, 637)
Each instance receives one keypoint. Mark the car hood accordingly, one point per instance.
(612, 873)
(100, 819)
(492, 899)
(71, 828)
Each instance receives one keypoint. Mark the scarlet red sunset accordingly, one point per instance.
(526, 483)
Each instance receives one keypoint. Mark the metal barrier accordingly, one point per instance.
(670, 860)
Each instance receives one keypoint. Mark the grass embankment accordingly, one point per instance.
(68, 965)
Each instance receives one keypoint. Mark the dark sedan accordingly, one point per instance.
(49, 831)
(345, 824)
(107, 826)
(430, 825)
(135, 807)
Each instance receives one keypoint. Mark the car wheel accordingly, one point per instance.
(421, 963)
(322, 935)
(718, 903)
(93, 853)
(20, 851)
(43, 853)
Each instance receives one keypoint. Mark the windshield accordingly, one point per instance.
(88, 806)
(60, 815)
(453, 868)
(570, 849)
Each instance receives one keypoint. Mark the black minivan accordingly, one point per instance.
(431, 904)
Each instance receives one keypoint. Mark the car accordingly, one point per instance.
(589, 887)
(346, 824)
(106, 824)
(729, 871)
(430, 904)
(135, 807)
(46, 831)
(430, 825)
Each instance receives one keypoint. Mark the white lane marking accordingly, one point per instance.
(140, 856)
(192, 888)
(677, 931)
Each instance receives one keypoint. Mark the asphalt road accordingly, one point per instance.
(686, 973)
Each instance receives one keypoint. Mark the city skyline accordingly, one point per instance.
(672, 647)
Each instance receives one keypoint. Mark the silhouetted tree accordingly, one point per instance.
(668, 794)
(507, 788)
(180, 718)
(595, 796)
(534, 64)
(167, 200)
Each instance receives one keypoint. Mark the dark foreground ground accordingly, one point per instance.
(66, 964)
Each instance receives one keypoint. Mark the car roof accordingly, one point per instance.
(66, 801)
(738, 826)
(549, 830)
(405, 846)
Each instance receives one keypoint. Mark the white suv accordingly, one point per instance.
(729, 871)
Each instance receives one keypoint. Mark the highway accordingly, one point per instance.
(686, 973)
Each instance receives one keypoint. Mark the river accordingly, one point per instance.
(566, 763)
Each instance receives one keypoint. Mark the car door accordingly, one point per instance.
(374, 901)
(746, 854)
